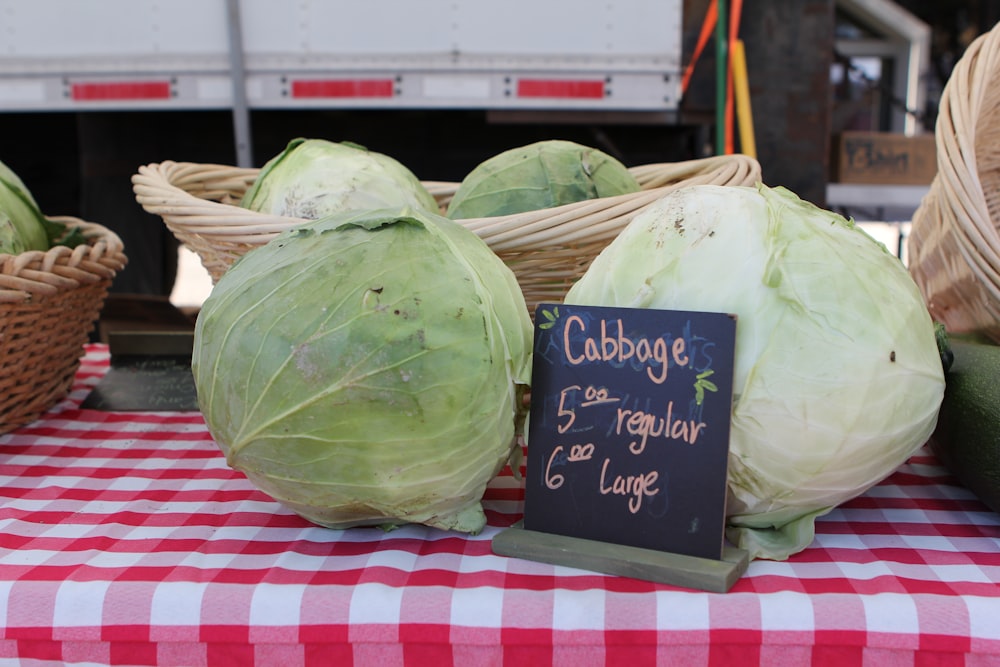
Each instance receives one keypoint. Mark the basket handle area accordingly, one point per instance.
(46, 272)
(954, 241)
(960, 130)
(203, 192)
(735, 169)
(198, 199)
(604, 217)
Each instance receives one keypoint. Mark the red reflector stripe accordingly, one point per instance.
(121, 90)
(560, 88)
(342, 88)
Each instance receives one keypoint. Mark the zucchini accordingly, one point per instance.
(967, 437)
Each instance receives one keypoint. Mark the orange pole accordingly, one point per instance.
(707, 27)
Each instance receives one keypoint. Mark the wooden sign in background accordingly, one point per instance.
(628, 437)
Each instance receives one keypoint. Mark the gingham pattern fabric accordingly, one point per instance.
(126, 540)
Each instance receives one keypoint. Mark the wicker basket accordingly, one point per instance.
(49, 302)
(954, 245)
(546, 249)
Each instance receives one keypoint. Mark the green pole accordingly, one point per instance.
(721, 75)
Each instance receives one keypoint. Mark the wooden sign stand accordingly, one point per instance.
(707, 574)
(149, 371)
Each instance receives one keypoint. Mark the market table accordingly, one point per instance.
(126, 539)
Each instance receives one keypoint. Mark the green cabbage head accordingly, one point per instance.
(539, 176)
(367, 369)
(837, 377)
(314, 178)
(22, 224)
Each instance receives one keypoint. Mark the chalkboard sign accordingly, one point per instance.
(149, 371)
(628, 436)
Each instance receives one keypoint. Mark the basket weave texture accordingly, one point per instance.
(49, 301)
(546, 249)
(954, 244)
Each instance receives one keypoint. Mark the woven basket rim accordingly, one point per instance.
(158, 187)
(36, 273)
(955, 239)
(546, 248)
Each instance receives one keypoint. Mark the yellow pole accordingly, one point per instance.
(741, 91)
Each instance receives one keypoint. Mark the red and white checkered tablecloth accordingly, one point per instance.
(126, 540)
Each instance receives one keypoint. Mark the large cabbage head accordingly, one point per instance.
(837, 378)
(538, 176)
(367, 369)
(314, 178)
(22, 224)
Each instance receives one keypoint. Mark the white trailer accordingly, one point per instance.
(72, 55)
